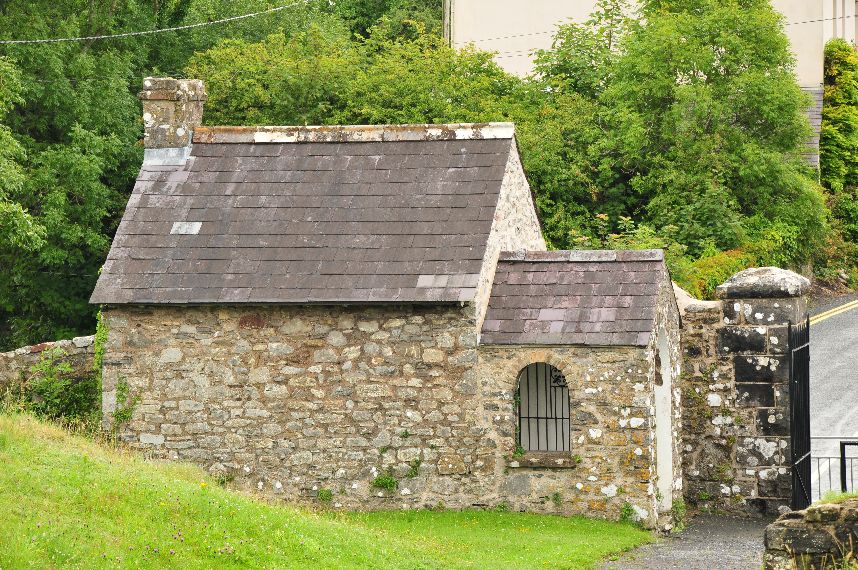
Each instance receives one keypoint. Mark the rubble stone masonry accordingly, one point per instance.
(736, 393)
(821, 536)
(293, 400)
(15, 366)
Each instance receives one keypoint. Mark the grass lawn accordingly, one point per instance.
(71, 503)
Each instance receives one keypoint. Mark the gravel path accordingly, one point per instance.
(709, 543)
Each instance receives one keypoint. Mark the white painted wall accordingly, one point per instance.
(803, 24)
(664, 426)
(515, 28)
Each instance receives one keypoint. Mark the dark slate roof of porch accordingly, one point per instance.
(593, 298)
(311, 215)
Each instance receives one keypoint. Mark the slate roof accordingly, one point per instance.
(312, 217)
(594, 298)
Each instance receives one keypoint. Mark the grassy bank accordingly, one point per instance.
(71, 503)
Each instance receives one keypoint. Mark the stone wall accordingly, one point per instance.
(736, 394)
(172, 108)
(822, 536)
(293, 400)
(78, 353)
(515, 228)
(613, 446)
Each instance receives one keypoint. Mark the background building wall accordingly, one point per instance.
(514, 28)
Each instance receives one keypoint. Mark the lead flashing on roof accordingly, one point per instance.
(166, 156)
(354, 133)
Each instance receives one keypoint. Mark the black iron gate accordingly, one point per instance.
(799, 392)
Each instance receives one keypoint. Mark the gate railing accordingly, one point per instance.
(799, 391)
(834, 473)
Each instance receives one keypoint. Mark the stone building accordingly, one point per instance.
(371, 311)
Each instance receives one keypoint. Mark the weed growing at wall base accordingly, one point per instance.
(125, 404)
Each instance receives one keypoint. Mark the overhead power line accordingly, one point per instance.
(158, 31)
(554, 31)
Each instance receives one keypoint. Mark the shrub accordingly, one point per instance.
(414, 469)
(678, 512)
(713, 269)
(125, 404)
(54, 393)
(326, 495)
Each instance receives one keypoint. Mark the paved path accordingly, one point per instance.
(833, 394)
(709, 543)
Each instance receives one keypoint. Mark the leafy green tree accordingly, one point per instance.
(72, 131)
(423, 80)
(582, 56)
(362, 15)
(702, 123)
(21, 233)
(556, 132)
(281, 80)
(839, 138)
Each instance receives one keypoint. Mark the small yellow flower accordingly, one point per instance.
(203, 485)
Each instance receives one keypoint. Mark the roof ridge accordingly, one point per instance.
(353, 133)
(588, 255)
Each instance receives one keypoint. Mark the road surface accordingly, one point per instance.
(833, 388)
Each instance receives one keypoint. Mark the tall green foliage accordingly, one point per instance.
(701, 124)
(70, 125)
(839, 140)
(282, 80)
(361, 15)
(73, 127)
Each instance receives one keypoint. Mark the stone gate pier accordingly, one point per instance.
(736, 407)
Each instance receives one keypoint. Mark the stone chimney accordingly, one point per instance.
(172, 109)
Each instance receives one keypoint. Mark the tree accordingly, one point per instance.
(21, 233)
(73, 128)
(423, 80)
(702, 124)
(362, 15)
(582, 56)
(281, 80)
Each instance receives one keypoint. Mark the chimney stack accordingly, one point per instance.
(172, 109)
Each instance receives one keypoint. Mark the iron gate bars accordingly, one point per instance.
(543, 409)
(843, 445)
(799, 391)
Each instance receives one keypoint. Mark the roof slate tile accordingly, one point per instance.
(590, 298)
(309, 222)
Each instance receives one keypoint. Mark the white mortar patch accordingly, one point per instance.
(186, 228)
